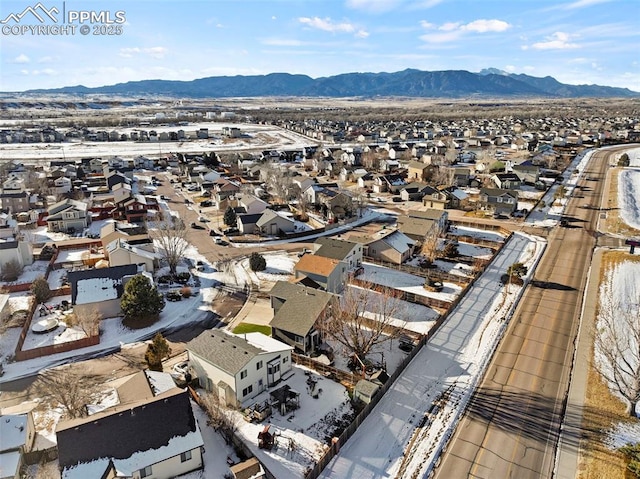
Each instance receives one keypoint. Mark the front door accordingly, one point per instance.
(273, 371)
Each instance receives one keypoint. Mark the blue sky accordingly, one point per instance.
(575, 41)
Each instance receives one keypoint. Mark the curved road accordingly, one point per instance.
(512, 424)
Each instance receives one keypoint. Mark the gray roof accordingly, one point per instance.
(498, 192)
(225, 351)
(301, 309)
(431, 214)
(415, 228)
(334, 248)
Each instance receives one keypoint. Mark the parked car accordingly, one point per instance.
(174, 296)
(197, 226)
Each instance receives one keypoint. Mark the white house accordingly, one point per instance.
(238, 367)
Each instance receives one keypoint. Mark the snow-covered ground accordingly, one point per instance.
(620, 303)
(302, 433)
(476, 233)
(457, 355)
(629, 196)
(393, 278)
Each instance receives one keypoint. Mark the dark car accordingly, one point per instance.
(196, 226)
(174, 296)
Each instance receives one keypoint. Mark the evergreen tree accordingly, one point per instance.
(157, 350)
(141, 300)
(40, 289)
(257, 262)
(230, 217)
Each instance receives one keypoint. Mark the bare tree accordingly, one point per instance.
(617, 342)
(11, 270)
(88, 321)
(430, 242)
(67, 388)
(278, 182)
(364, 318)
(221, 418)
(171, 236)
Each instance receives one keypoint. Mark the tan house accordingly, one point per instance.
(119, 253)
(68, 215)
(387, 245)
(327, 273)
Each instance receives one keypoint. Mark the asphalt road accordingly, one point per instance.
(512, 425)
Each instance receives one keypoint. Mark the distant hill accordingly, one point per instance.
(408, 83)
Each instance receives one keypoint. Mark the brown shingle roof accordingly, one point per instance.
(319, 265)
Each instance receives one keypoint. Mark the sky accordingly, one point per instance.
(575, 41)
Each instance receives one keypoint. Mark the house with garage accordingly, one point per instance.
(134, 234)
(500, 201)
(238, 367)
(416, 191)
(133, 440)
(246, 223)
(417, 171)
(328, 274)
(251, 204)
(298, 312)
(272, 223)
(68, 215)
(99, 289)
(17, 437)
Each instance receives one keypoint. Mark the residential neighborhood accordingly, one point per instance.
(266, 296)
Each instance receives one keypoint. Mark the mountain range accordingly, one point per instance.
(407, 83)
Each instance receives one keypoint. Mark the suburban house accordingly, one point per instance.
(15, 201)
(387, 245)
(498, 200)
(327, 273)
(297, 311)
(133, 440)
(347, 252)
(119, 253)
(134, 234)
(68, 215)
(528, 173)
(251, 204)
(333, 204)
(437, 199)
(418, 224)
(15, 250)
(17, 436)
(417, 171)
(246, 223)
(99, 289)
(507, 181)
(272, 223)
(238, 367)
(416, 191)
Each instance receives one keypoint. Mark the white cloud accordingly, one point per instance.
(273, 17)
(156, 52)
(22, 58)
(483, 26)
(556, 41)
(454, 30)
(327, 25)
(129, 52)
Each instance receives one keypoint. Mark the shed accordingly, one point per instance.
(365, 390)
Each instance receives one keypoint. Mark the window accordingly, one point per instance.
(285, 359)
(146, 472)
(185, 456)
(243, 374)
(259, 365)
(260, 382)
(247, 390)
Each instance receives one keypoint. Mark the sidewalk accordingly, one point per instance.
(570, 442)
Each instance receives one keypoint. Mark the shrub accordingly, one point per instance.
(257, 262)
(11, 270)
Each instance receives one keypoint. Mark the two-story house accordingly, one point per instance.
(68, 215)
(498, 200)
(238, 367)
